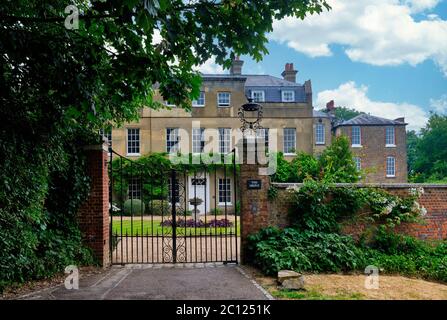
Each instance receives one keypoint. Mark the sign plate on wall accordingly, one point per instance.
(253, 184)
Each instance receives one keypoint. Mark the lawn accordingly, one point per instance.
(153, 227)
(352, 287)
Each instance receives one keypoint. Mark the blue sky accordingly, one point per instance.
(386, 57)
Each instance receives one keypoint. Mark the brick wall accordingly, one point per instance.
(434, 200)
(255, 207)
(93, 215)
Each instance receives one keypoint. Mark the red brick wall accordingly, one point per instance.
(255, 207)
(434, 200)
(93, 215)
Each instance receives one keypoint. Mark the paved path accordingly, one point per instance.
(198, 281)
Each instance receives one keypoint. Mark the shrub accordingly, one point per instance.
(216, 211)
(273, 250)
(133, 207)
(159, 207)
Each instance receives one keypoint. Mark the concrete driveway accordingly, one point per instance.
(173, 282)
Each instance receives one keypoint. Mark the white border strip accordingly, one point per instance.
(257, 285)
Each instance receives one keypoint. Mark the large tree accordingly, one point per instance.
(428, 151)
(59, 85)
(345, 113)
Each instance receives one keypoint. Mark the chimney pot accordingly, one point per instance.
(289, 73)
(330, 105)
(236, 66)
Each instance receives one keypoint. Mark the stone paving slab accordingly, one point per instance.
(199, 281)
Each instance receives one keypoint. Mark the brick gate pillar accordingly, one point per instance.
(254, 203)
(93, 216)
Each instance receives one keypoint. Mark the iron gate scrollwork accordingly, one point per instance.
(173, 216)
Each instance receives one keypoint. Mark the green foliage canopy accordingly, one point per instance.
(427, 152)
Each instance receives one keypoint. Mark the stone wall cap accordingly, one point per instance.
(103, 147)
(368, 185)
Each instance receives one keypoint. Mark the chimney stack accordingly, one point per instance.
(402, 119)
(330, 107)
(236, 67)
(289, 73)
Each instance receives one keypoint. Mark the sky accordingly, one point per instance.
(384, 57)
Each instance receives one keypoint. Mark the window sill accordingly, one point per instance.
(356, 146)
(223, 105)
(133, 154)
(290, 154)
(390, 146)
(222, 204)
(198, 105)
(390, 176)
(320, 143)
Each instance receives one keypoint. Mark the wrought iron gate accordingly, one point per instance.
(173, 215)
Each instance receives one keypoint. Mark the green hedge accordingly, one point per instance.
(41, 189)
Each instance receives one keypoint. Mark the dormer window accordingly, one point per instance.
(258, 95)
(288, 96)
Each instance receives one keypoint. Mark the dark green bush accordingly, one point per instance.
(159, 207)
(273, 250)
(38, 207)
(133, 207)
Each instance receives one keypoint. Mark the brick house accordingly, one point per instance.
(379, 146)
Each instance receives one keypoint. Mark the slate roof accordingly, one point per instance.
(319, 114)
(254, 80)
(369, 120)
(264, 80)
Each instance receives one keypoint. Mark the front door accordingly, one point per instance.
(199, 188)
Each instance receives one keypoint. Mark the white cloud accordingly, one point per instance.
(421, 5)
(211, 67)
(378, 32)
(353, 96)
(439, 105)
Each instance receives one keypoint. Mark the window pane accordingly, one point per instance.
(172, 140)
(200, 101)
(263, 135)
(258, 96)
(358, 163)
(390, 166)
(223, 98)
(134, 190)
(355, 137)
(198, 140)
(289, 140)
(224, 190)
(288, 96)
(224, 140)
(319, 133)
(390, 137)
(133, 141)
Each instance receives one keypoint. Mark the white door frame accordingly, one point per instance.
(207, 195)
